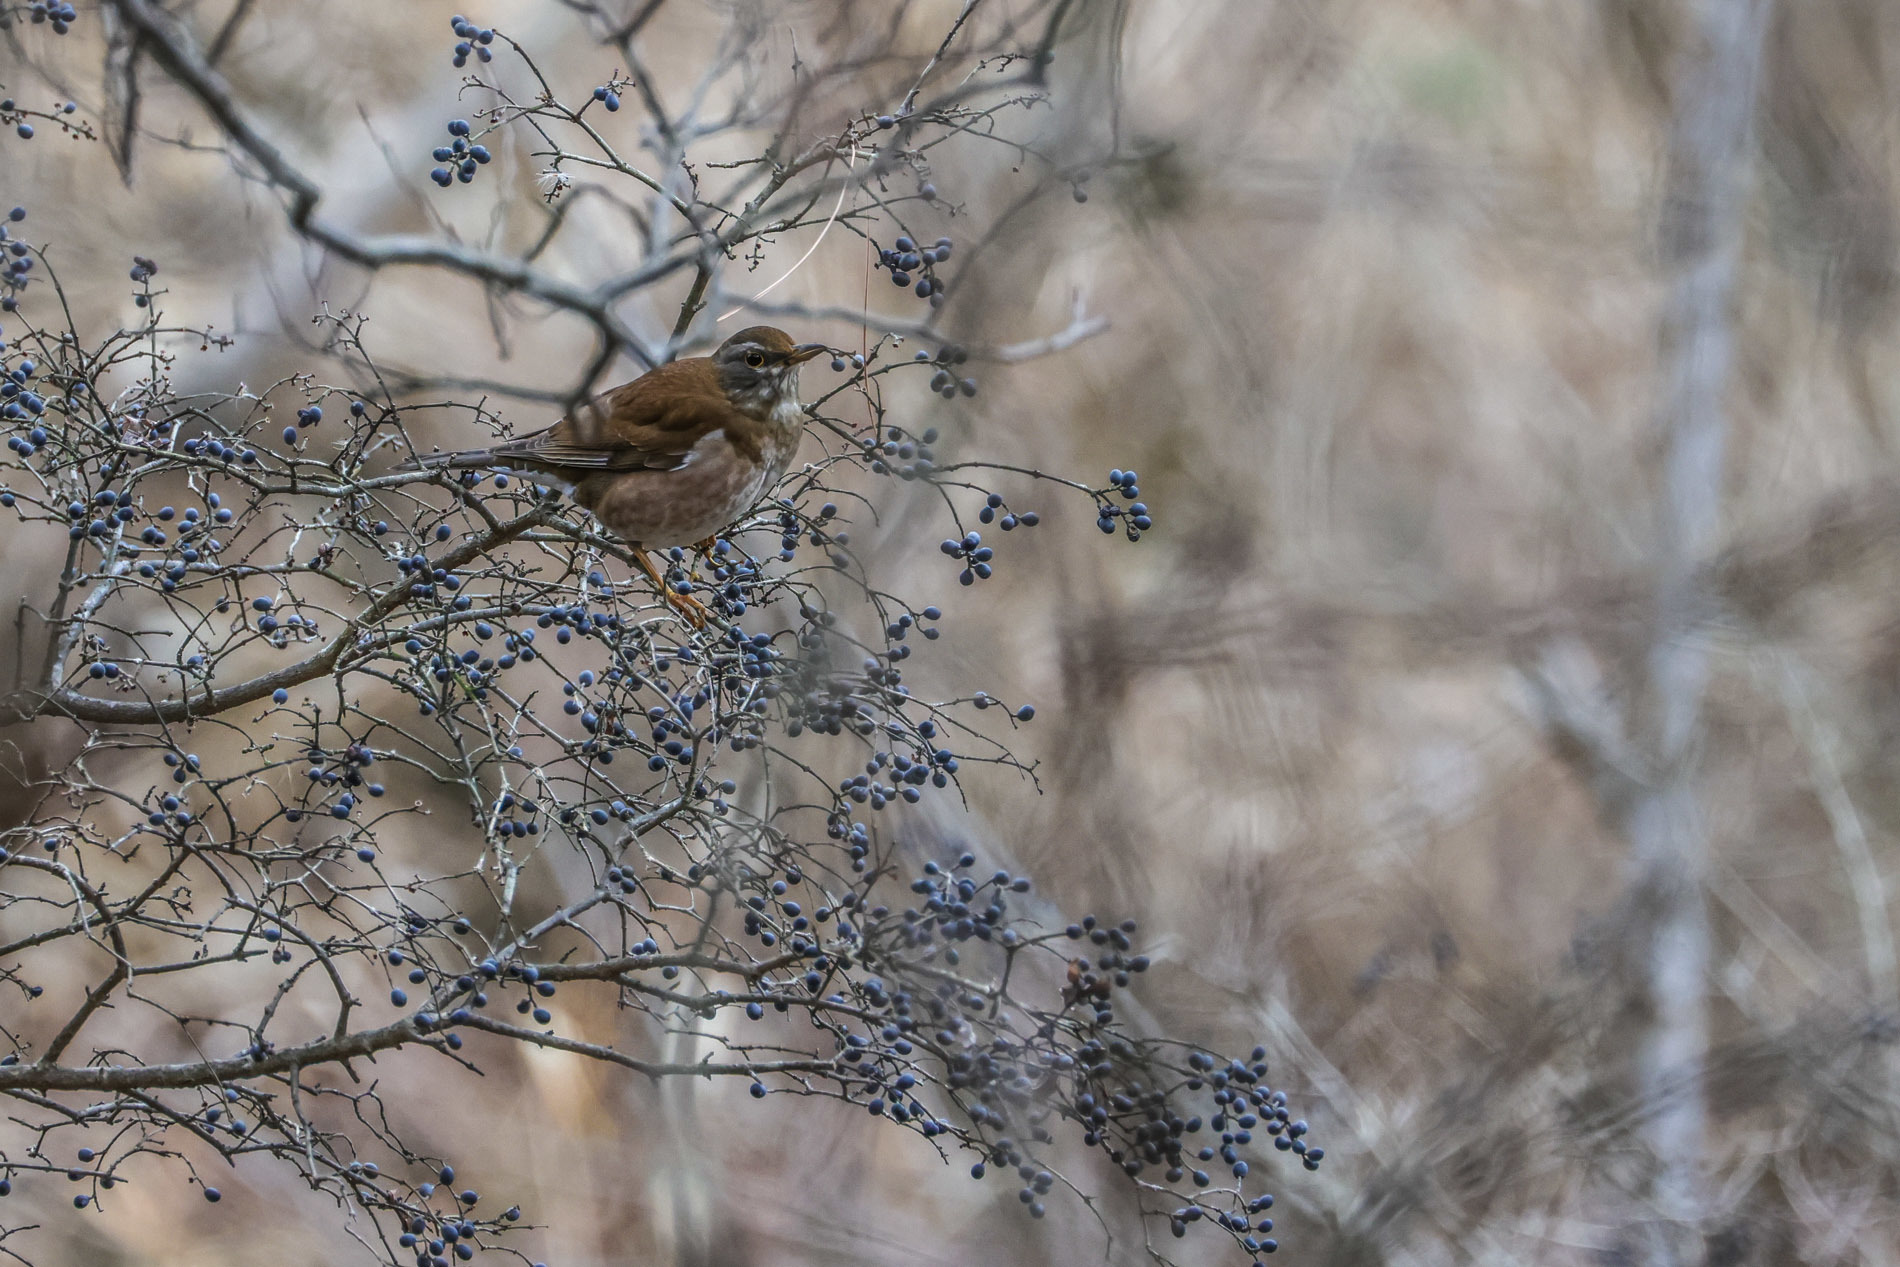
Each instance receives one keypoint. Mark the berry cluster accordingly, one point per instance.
(18, 260)
(142, 272)
(463, 156)
(471, 41)
(943, 381)
(907, 454)
(1134, 517)
(971, 550)
(928, 1049)
(59, 13)
(906, 260)
(18, 401)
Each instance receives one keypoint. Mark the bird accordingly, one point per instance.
(674, 457)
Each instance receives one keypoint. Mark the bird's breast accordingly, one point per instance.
(714, 488)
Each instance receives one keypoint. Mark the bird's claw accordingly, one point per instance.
(688, 606)
(685, 604)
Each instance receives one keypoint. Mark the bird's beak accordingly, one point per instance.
(805, 351)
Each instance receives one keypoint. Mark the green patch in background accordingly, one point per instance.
(1459, 84)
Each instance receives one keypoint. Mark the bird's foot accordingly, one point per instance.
(689, 607)
(685, 604)
(707, 551)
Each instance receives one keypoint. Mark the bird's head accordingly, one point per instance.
(758, 368)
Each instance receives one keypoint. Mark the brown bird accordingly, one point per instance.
(676, 456)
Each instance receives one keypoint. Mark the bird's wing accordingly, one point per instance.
(650, 424)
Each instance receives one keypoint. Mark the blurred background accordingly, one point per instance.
(1500, 716)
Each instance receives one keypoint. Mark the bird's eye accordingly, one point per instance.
(755, 359)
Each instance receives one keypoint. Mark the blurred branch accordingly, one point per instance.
(1081, 327)
(1864, 880)
(122, 94)
(227, 31)
(1762, 581)
(936, 58)
(166, 39)
(1664, 823)
(1574, 706)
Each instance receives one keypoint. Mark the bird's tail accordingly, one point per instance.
(462, 460)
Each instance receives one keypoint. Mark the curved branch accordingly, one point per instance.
(166, 38)
(27, 705)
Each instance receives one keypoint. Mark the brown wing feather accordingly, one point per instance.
(677, 405)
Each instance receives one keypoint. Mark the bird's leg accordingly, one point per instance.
(685, 604)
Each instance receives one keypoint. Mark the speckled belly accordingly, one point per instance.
(704, 497)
